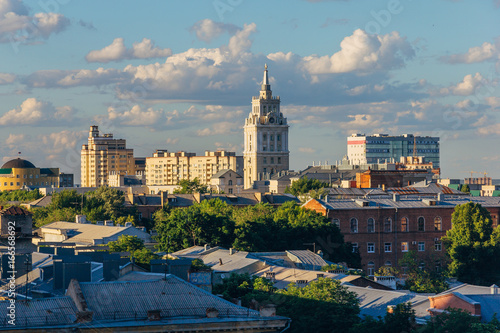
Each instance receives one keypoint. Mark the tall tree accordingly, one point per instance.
(473, 245)
(191, 186)
(304, 185)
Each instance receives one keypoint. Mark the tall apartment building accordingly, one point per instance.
(266, 137)
(377, 148)
(102, 156)
(166, 168)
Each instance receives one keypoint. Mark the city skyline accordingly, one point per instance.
(181, 76)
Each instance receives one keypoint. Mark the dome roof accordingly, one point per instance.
(18, 163)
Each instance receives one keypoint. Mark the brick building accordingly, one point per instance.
(382, 229)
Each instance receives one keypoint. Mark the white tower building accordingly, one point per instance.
(266, 137)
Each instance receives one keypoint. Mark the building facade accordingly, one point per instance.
(376, 148)
(166, 168)
(19, 173)
(266, 137)
(383, 230)
(102, 156)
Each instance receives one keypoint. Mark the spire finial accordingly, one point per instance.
(265, 67)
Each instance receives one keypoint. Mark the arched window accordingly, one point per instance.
(421, 223)
(336, 222)
(371, 268)
(370, 225)
(387, 224)
(404, 224)
(438, 223)
(354, 225)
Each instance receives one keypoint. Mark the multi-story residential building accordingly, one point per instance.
(266, 137)
(19, 173)
(166, 168)
(104, 155)
(377, 148)
(382, 230)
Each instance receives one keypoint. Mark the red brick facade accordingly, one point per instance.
(387, 242)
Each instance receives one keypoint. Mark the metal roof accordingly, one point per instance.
(284, 276)
(40, 312)
(173, 297)
(307, 258)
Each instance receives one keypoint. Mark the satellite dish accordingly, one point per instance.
(222, 276)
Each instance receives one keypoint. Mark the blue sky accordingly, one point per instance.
(179, 75)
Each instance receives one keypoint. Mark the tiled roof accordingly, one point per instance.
(14, 210)
(173, 297)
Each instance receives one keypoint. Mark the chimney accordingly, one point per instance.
(231, 251)
(268, 310)
(109, 223)
(395, 197)
(220, 261)
(207, 247)
(197, 197)
(258, 196)
(440, 196)
(81, 219)
(74, 291)
(99, 223)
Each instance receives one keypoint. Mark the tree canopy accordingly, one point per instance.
(252, 228)
(191, 186)
(304, 185)
(473, 246)
(20, 195)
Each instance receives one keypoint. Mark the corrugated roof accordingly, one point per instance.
(374, 302)
(284, 276)
(173, 297)
(41, 312)
(308, 258)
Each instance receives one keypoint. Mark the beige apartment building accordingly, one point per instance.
(104, 155)
(266, 137)
(166, 168)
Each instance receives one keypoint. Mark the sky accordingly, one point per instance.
(180, 75)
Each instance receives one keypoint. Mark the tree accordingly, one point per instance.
(126, 243)
(189, 187)
(473, 246)
(304, 186)
(400, 319)
(465, 188)
(419, 279)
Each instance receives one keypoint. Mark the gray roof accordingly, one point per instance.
(173, 297)
(307, 258)
(374, 302)
(284, 276)
(41, 312)
(87, 233)
(223, 172)
(409, 202)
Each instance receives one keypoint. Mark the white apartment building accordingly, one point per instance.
(166, 168)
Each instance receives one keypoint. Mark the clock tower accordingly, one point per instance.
(266, 137)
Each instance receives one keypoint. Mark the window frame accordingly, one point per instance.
(355, 225)
(370, 247)
(405, 247)
(421, 218)
(370, 228)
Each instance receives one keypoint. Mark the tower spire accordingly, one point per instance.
(265, 88)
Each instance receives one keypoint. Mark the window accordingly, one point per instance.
(404, 246)
(334, 221)
(438, 266)
(264, 137)
(437, 223)
(370, 248)
(279, 160)
(371, 268)
(230, 182)
(354, 247)
(265, 159)
(421, 265)
(404, 224)
(388, 263)
(388, 247)
(272, 160)
(387, 224)
(437, 246)
(371, 225)
(421, 246)
(421, 224)
(354, 225)
(278, 137)
(230, 191)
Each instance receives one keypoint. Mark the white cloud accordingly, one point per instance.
(30, 112)
(487, 51)
(468, 85)
(17, 26)
(6, 78)
(218, 128)
(136, 116)
(207, 30)
(15, 140)
(117, 51)
(33, 111)
(363, 52)
(307, 150)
